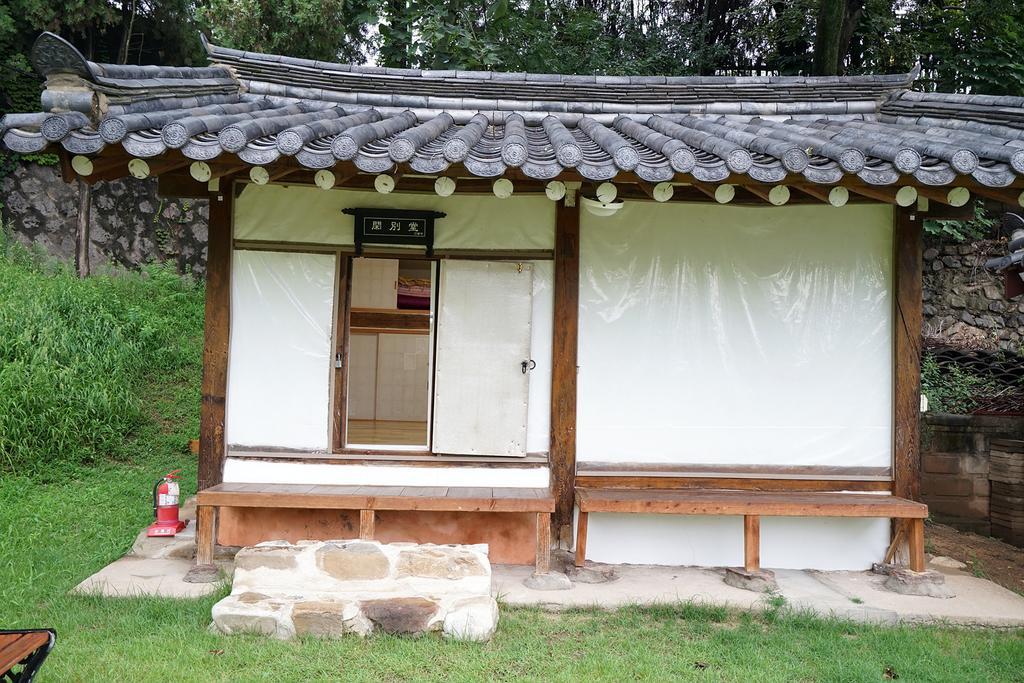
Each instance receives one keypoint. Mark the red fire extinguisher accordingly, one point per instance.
(165, 507)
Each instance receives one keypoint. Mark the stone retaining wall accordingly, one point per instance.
(964, 304)
(955, 466)
(129, 224)
(333, 588)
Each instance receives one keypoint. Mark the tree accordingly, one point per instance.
(330, 30)
(828, 37)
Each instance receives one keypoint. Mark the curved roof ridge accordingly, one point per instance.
(217, 54)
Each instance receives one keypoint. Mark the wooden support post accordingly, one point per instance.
(751, 543)
(563, 366)
(907, 265)
(82, 238)
(581, 539)
(916, 540)
(212, 446)
(206, 534)
(367, 521)
(543, 543)
(907, 304)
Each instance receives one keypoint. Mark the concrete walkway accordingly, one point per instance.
(849, 595)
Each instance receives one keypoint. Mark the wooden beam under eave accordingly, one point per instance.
(217, 328)
(1011, 196)
(907, 265)
(565, 333)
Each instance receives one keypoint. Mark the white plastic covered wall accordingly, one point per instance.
(736, 336)
(278, 390)
(731, 335)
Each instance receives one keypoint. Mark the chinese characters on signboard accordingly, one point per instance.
(394, 227)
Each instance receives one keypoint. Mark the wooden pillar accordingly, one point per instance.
(581, 539)
(563, 366)
(82, 237)
(751, 543)
(906, 470)
(367, 522)
(212, 447)
(916, 540)
(907, 265)
(543, 557)
(206, 528)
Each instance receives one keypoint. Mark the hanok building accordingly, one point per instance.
(667, 320)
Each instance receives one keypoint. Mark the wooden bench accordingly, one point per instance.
(369, 499)
(24, 648)
(752, 505)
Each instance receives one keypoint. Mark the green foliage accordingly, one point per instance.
(970, 45)
(982, 225)
(330, 30)
(73, 352)
(953, 390)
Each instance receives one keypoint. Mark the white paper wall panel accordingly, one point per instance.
(786, 542)
(733, 335)
(269, 472)
(280, 355)
(362, 376)
(481, 393)
(280, 213)
(402, 376)
(538, 420)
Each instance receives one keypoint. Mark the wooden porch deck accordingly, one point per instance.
(369, 499)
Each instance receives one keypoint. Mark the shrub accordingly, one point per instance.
(75, 354)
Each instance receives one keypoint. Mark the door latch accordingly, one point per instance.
(337, 360)
(528, 365)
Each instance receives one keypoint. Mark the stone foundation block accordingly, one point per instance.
(758, 581)
(327, 589)
(472, 619)
(930, 584)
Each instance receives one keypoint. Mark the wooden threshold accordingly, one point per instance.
(394, 458)
(796, 472)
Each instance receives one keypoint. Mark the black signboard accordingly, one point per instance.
(394, 227)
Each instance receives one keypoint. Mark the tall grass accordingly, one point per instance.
(74, 352)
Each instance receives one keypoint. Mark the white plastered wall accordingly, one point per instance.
(716, 335)
(309, 215)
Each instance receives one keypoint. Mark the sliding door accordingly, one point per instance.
(481, 379)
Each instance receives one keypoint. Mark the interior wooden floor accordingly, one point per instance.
(387, 433)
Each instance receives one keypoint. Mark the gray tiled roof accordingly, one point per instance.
(265, 107)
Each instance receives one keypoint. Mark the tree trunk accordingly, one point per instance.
(82, 233)
(851, 17)
(827, 37)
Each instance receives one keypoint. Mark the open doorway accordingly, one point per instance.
(390, 354)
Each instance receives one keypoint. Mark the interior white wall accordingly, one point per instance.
(278, 391)
(473, 221)
(248, 470)
(736, 335)
(786, 542)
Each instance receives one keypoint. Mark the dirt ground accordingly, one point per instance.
(988, 558)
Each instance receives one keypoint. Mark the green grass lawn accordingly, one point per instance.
(99, 396)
